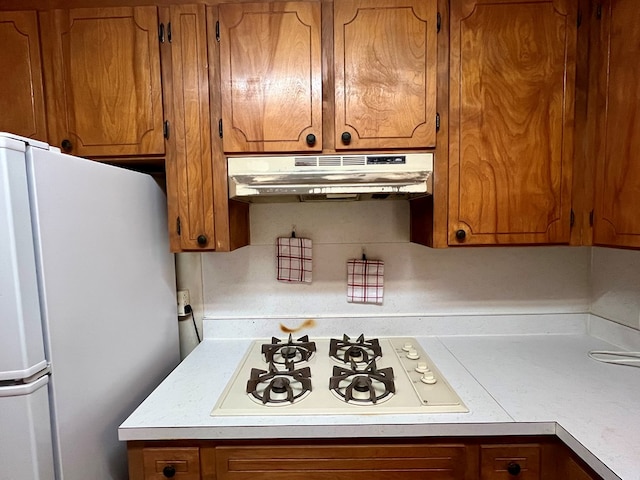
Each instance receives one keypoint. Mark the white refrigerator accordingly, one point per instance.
(88, 315)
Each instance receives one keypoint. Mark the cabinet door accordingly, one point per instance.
(512, 76)
(271, 77)
(358, 462)
(188, 161)
(616, 213)
(21, 93)
(103, 80)
(385, 73)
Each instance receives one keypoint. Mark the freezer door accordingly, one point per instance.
(21, 342)
(25, 433)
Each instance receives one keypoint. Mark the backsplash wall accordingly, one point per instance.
(418, 280)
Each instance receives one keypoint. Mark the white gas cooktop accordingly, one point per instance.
(402, 379)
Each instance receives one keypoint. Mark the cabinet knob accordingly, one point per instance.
(346, 138)
(311, 139)
(460, 234)
(202, 240)
(169, 471)
(66, 145)
(513, 468)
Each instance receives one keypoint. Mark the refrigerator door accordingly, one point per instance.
(21, 342)
(25, 445)
(108, 299)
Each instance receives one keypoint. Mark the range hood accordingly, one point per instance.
(329, 176)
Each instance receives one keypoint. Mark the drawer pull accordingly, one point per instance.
(513, 468)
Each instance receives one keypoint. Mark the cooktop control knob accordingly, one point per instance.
(422, 367)
(413, 354)
(407, 346)
(428, 378)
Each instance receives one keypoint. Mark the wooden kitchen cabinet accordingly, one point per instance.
(379, 76)
(511, 121)
(617, 141)
(522, 461)
(385, 74)
(102, 77)
(21, 91)
(343, 462)
(271, 76)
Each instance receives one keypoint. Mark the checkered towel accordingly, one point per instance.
(294, 259)
(365, 281)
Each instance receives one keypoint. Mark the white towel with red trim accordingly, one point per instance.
(365, 281)
(294, 259)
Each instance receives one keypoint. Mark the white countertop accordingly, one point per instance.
(538, 382)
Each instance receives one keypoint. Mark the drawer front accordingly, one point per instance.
(510, 462)
(178, 463)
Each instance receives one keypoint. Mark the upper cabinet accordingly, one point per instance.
(512, 89)
(271, 77)
(385, 74)
(104, 94)
(379, 75)
(21, 93)
(616, 212)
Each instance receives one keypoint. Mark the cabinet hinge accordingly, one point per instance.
(579, 18)
(218, 31)
(220, 128)
(438, 22)
(178, 225)
(161, 32)
(169, 32)
(591, 218)
(437, 122)
(599, 11)
(165, 129)
(572, 219)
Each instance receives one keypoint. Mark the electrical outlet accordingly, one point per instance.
(183, 301)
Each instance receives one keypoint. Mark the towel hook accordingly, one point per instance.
(364, 256)
(293, 231)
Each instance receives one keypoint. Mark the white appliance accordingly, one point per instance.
(330, 176)
(337, 376)
(87, 310)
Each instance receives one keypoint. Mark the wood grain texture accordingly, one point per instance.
(271, 77)
(104, 73)
(21, 90)
(617, 211)
(494, 460)
(385, 73)
(190, 140)
(511, 120)
(358, 462)
(184, 460)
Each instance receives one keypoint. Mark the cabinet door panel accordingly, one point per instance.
(511, 126)
(271, 82)
(617, 215)
(105, 75)
(388, 462)
(385, 73)
(21, 93)
(162, 463)
(495, 461)
(189, 162)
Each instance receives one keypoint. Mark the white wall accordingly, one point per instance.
(418, 280)
(615, 279)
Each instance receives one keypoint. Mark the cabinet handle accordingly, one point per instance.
(311, 139)
(513, 468)
(461, 234)
(66, 145)
(202, 240)
(346, 138)
(169, 471)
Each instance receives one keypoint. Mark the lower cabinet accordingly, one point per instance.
(487, 458)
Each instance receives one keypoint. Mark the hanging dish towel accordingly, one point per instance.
(294, 259)
(365, 281)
